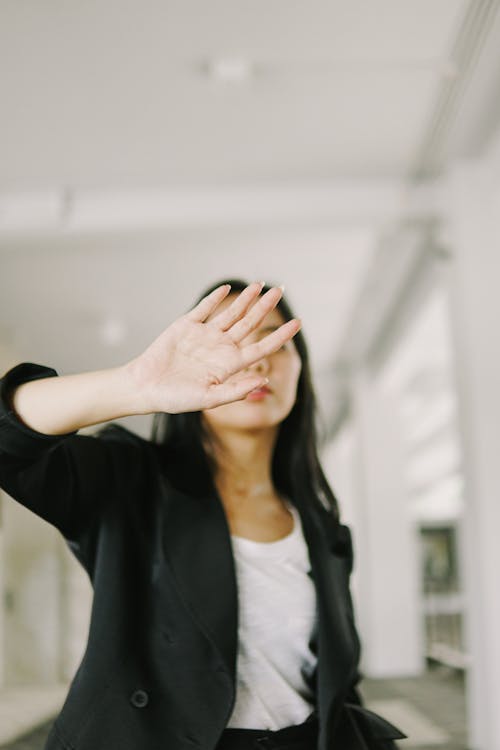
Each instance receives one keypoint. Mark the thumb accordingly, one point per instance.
(236, 390)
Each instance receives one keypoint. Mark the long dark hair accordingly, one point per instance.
(296, 469)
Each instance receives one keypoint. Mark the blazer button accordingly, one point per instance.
(139, 698)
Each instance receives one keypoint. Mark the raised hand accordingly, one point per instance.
(199, 361)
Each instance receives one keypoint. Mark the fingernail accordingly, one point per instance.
(262, 283)
(282, 287)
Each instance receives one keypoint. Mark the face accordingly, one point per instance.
(268, 407)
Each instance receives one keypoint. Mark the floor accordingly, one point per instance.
(24, 709)
(430, 709)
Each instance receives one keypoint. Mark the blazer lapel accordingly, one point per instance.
(197, 547)
(338, 642)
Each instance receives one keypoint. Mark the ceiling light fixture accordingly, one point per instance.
(230, 69)
(113, 331)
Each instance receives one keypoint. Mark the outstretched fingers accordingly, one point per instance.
(238, 308)
(270, 343)
(255, 315)
(208, 304)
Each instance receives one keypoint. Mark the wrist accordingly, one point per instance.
(136, 390)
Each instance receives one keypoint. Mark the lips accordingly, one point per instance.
(259, 393)
(262, 389)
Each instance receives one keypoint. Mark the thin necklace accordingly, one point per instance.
(261, 488)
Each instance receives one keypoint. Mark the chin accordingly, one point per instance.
(246, 415)
(259, 418)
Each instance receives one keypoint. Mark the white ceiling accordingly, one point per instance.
(104, 92)
(130, 178)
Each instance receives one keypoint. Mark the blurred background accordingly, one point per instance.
(349, 149)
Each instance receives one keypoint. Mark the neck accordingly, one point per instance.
(244, 461)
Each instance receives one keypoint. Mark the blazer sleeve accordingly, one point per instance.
(65, 479)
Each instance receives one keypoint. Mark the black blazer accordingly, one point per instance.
(159, 667)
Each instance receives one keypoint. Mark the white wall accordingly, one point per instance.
(46, 595)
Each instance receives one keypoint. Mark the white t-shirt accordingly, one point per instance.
(277, 617)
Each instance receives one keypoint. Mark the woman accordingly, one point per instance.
(222, 616)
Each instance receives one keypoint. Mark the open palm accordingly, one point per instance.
(197, 364)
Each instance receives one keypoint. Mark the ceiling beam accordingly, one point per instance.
(376, 203)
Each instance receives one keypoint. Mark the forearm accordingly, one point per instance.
(57, 405)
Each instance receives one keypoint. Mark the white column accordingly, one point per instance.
(7, 360)
(474, 280)
(388, 590)
(3, 596)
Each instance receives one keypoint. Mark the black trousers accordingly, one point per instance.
(295, 737)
